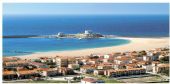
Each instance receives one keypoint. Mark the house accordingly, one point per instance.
(140, 63)
(123, 60)
(131, 65)
(148, 67)
(124, 72)
(119, 66)
(146, 58)
(116, 53)
(10, 59)
(72, 60)
(65, 71)
(27, 74)
(108, 58)
(49, 72)
(9, 75)
(84, 61)
(105, 66)
(73, 66)
(87, 69)
(154, 66)
(133, 53)
(161, 67)
(88, 81)
(38, 65)
(62, 62)
(111, 60)
(47, 60)
(92, 61)
(98, 72)
(153, 55)
(17, 63)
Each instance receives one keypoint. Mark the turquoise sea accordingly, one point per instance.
(121, 25)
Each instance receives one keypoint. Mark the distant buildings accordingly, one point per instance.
(9, 75)
(159, 68)
(74, 66)
(38, 65)
(46, 72)
(86, 34)
(110, 65)
(124, 72)
(60, 34)
(62, 62)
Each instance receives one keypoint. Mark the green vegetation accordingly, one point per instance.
(165, 72)
(108, 80)
(104, 78)
(164, 59)
(142, 53)
(42, 81)
(77, 78)
(46, 81)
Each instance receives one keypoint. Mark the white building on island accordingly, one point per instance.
(88, 32)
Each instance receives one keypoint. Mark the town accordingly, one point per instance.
(116, 67)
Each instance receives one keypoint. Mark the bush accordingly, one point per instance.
(164, 59)
(165, 72)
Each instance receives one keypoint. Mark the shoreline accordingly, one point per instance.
(135, 44)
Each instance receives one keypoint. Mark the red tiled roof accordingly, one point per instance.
(9, 73)
(10, 58)
(37, 64)
(27, 71)
(17, 62)
(164, 65)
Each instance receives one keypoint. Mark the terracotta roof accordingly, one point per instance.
(88, 66)
(164, 65)
(22, 72)
(37, 64)
(143, 62)
(106, 64)
(123, 58)
(10, 59)
(16, 62)
(9, 73)
(46, 69)
(131, 65)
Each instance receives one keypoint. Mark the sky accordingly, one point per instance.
(84, 8)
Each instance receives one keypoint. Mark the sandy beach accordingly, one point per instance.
(135, 44)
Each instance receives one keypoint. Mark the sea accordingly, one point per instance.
(120, 25)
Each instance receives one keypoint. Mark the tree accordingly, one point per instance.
(165, 72)
(164, 59)
(142, 53)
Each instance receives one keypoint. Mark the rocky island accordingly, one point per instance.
(86, 34)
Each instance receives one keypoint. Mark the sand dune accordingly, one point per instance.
(136, 44)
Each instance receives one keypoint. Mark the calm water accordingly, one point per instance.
(27, 46)
(132, 25)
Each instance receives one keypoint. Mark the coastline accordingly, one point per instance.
(135, 44)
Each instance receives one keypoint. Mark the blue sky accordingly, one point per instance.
(84, 9)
